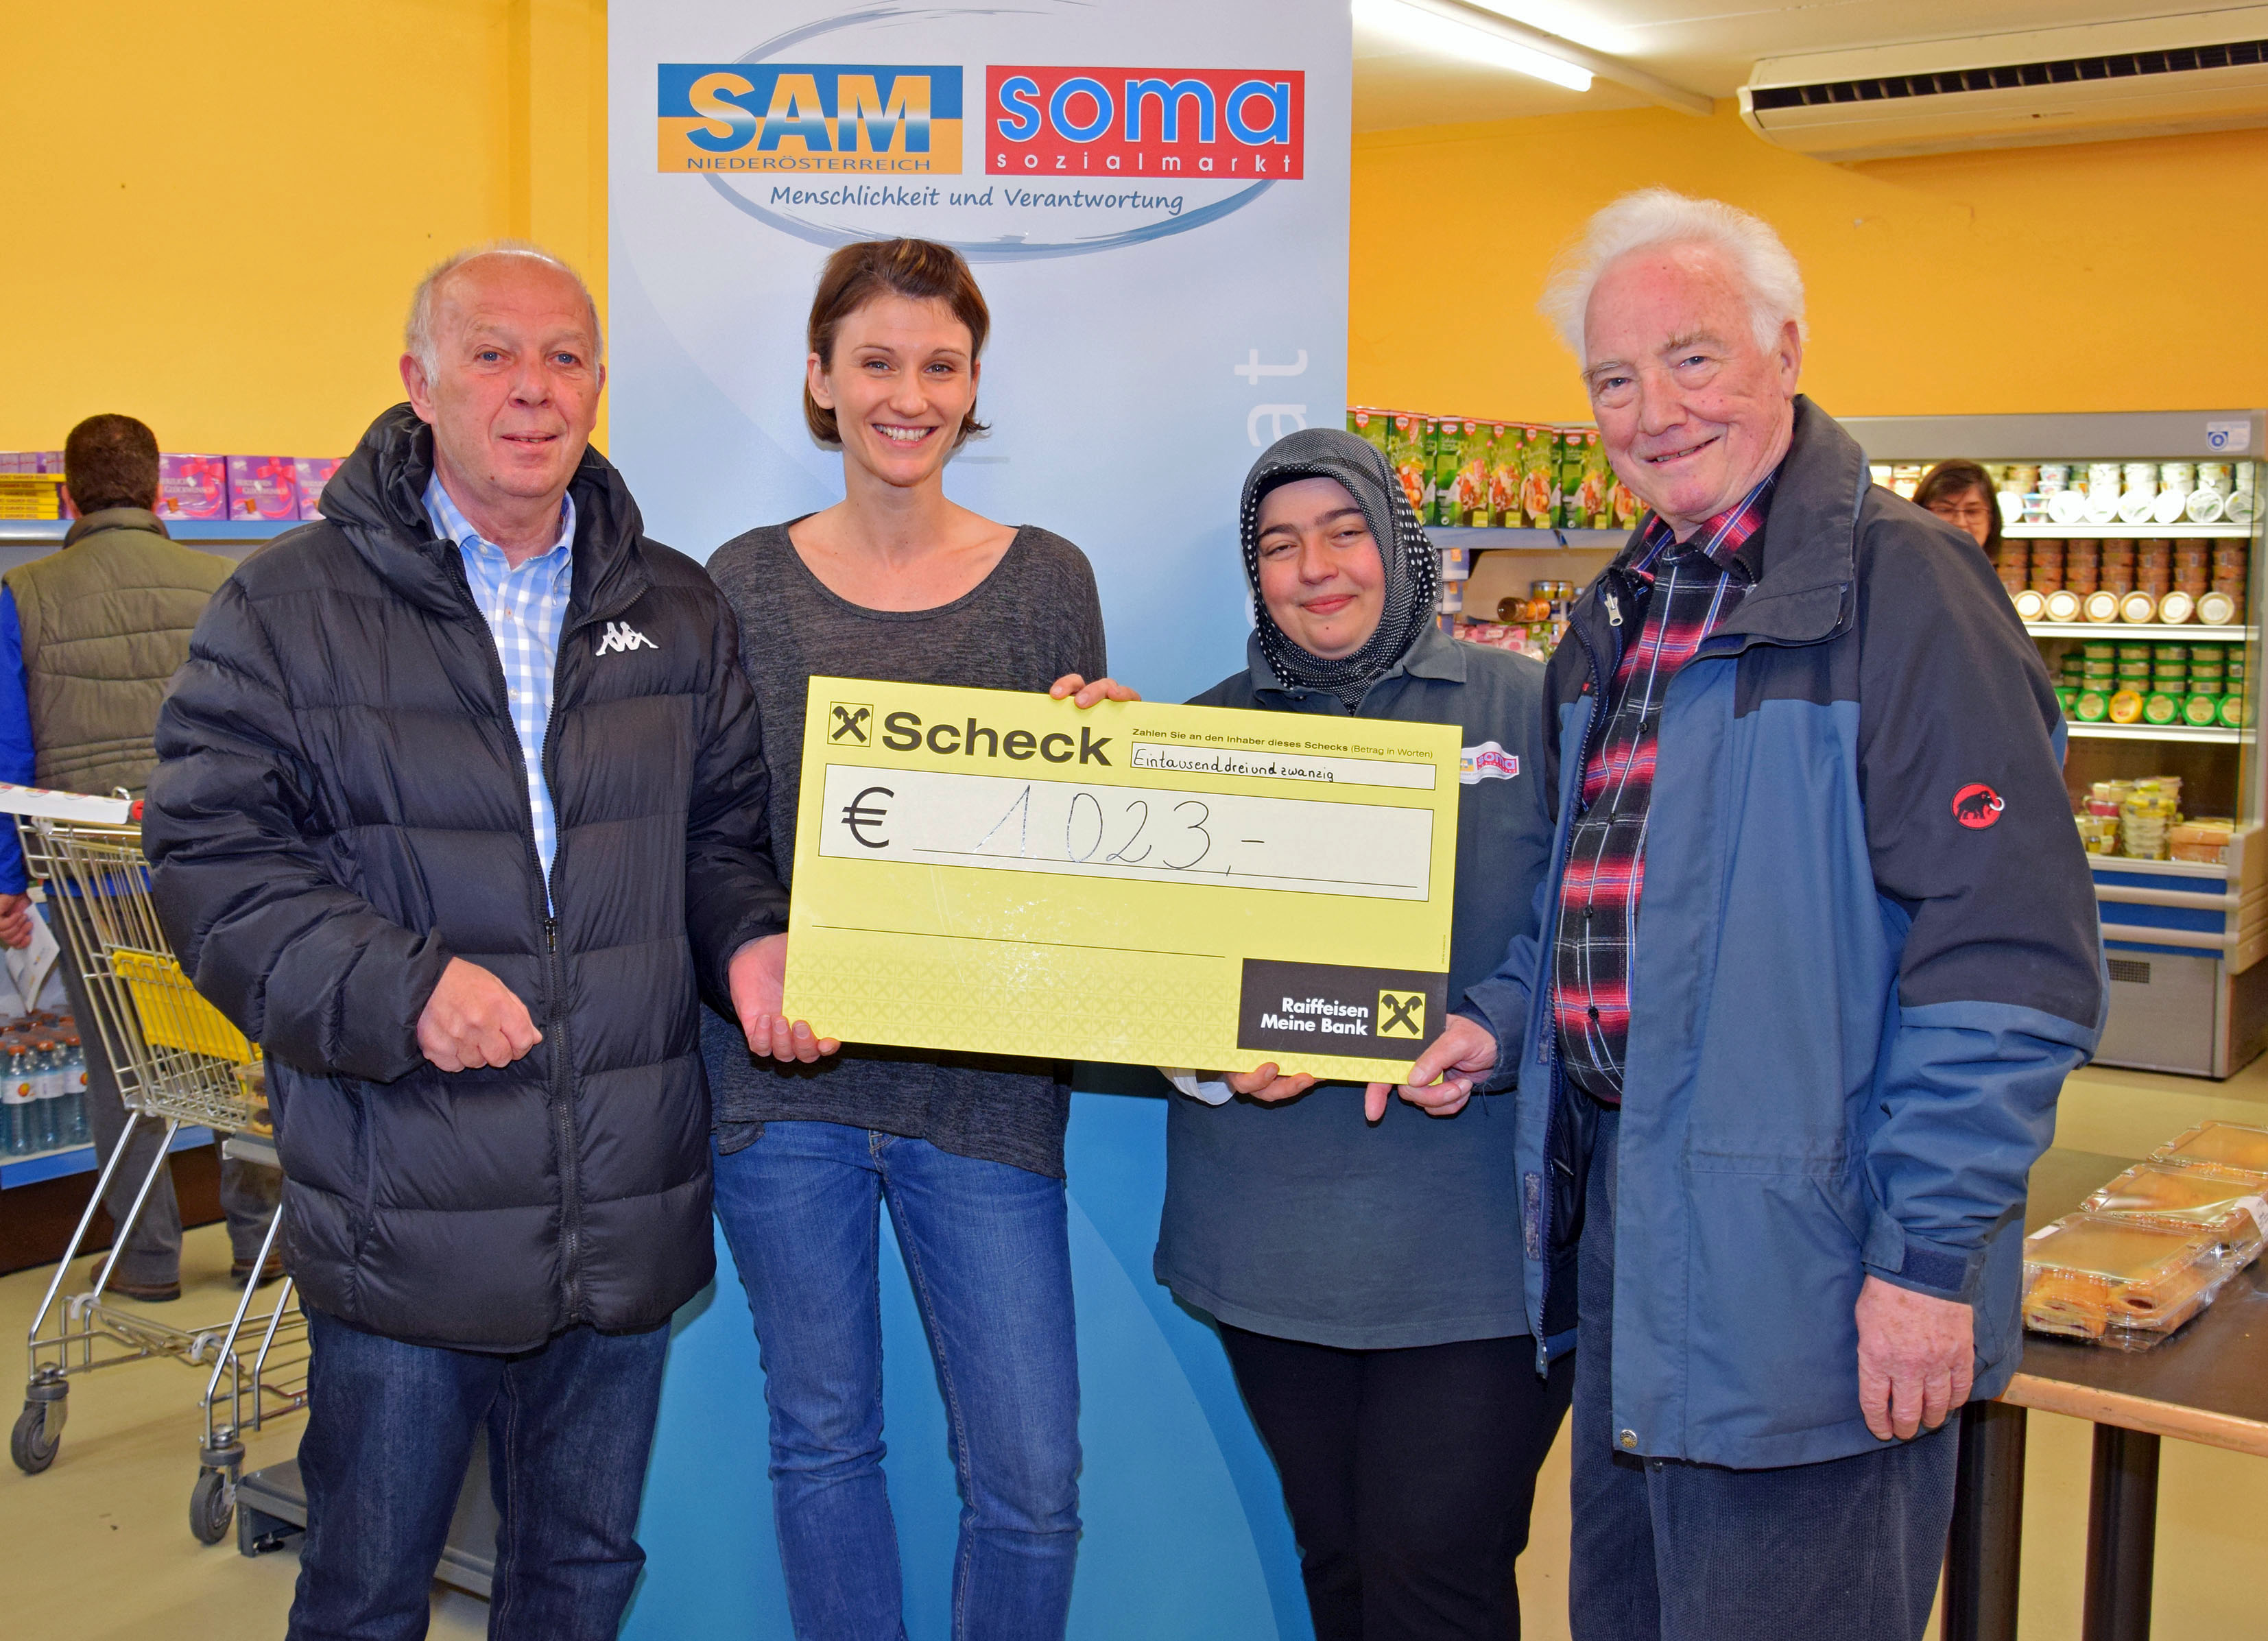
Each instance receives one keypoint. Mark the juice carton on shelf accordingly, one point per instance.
(1436, 463)
(193, 486)
(1367, 424)
(1449, 436)
(1408, 454)
(262, 487)
(1468, 496)
(1503, 474)
(1585, 483)
(309, 474)
(1538, 497)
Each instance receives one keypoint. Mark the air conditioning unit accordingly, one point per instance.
(2151, 76)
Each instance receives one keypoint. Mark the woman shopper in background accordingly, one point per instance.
(1960, 493)
(897, 582)
(1363, 1260)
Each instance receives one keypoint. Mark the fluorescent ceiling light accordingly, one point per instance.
(1430, 31)
(1572, 22)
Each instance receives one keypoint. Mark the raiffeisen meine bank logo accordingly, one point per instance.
(1223, 125)
(834, 118)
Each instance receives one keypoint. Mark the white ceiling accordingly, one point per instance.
(1702, 45)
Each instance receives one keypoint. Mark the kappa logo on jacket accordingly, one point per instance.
(621, 636)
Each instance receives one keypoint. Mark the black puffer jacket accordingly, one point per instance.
(341, 809)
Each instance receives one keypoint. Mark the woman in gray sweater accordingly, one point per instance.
(897, 582)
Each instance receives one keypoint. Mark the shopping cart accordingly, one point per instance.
(180, 1064)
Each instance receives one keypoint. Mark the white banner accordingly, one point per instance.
(1153, 193)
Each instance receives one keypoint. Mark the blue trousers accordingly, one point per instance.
(987, 1249)
(389, 1433)
(1663, 1550)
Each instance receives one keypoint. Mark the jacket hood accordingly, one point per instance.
(115, 518)
(378, 499)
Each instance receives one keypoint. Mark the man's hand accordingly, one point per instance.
(1441, 1078)
(758, 975)
(1916, 1357)
(1262, 1083)
(1083, 694)
(473, 1019)
(16, 920)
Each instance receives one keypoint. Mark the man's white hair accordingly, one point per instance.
(1651, 218)
(417, 338)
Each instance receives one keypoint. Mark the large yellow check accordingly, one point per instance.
(1002, 873)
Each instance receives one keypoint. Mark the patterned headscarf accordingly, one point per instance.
(1412, 571)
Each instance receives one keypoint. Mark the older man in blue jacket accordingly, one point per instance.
(1817, 948)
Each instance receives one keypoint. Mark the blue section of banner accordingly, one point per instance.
(1150, 338)
(676, 80)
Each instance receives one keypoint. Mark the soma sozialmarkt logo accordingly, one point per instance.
(834, 118)
(1226, 125)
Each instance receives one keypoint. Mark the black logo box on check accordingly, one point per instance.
(1331, 1008)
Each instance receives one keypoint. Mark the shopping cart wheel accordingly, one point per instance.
(212, 1506)
(33, 1442)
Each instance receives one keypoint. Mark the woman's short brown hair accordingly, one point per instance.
(920, 270)
(1950, 479)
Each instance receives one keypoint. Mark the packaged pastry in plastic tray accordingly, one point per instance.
(2226, 1203)
(2117, 1282)
(2231, 1145)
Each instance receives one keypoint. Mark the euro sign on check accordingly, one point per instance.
(1002, 873)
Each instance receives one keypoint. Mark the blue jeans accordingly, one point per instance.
(389, 1434)
(1844, 1550)
(987, 1250)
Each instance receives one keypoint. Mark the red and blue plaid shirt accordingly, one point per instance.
(1685, 591)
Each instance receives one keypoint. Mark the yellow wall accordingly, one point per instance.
(235, 199)
(2107, 276)
(236, 209)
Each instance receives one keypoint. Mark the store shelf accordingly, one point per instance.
(2164, 631)
(2084, 532)
(2156, 731)
(54, 530)
(1531, 540)
(2216, 871)
(56, 1165)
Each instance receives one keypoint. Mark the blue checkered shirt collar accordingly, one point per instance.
(449, 523)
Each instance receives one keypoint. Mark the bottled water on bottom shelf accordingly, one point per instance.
(16, 1105)
(47, 1094)
(74, 1056)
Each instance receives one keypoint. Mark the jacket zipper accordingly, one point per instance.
(1548, 1035)
(560, 1094)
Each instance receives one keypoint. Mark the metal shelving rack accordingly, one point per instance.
(2189, 992)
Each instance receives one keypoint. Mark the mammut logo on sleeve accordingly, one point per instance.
(1978, 805)
(621, 636)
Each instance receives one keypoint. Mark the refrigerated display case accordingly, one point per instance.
(2184, 938)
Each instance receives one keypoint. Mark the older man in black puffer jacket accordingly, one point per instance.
(459, 814)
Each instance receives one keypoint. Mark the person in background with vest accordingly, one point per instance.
(90, 638)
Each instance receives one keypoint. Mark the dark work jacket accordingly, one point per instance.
(1303, 1221)
(1867, 956)
(341, 809)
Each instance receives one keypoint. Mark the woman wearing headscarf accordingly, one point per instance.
(1363, 1258)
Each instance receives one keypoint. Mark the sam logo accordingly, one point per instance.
(1230, 124)
(841, 118)
(1402, 1014)
(850, 725)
